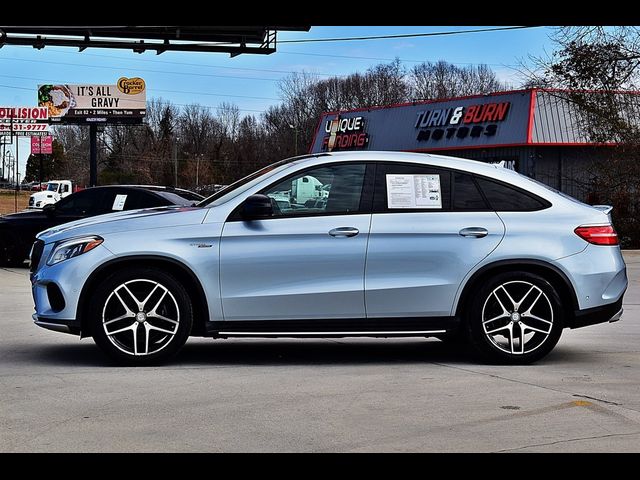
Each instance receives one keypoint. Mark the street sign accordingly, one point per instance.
(41, 145)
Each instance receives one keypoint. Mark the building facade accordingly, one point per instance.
(534, 131)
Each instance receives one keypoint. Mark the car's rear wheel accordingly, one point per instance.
(515, 318)
(141, 316)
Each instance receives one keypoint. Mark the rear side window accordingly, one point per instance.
(466, 195)
(503, 197)
(403, 187)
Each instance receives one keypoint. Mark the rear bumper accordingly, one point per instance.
(591, 316)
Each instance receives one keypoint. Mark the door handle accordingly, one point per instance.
(477, 232)
(344, 232)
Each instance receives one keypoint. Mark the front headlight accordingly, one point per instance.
(66, 249)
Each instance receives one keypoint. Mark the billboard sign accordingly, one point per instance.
(124, 102)
(41, 145)
(23, 129)
(23, 121)
(23, 115)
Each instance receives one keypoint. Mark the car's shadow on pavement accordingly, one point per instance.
(272, 352)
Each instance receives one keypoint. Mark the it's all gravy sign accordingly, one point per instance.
(344, 134)
(460, 122)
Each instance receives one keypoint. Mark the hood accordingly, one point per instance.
(44, 194)
(24, 216)
(131, 220)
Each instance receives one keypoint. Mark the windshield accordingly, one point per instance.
(243, 184)
(52, 187)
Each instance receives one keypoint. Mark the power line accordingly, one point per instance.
(49, 80)
(143, 70)
(182, 63)
(404, 35)
(287, 52)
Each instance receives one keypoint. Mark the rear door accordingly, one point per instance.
(429, 228)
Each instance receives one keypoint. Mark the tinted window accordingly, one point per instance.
(144, 199)
(429, 185)
(109, 199)
(505, 198)
(334, 189)
(176, 198)
(466, 195)
(80, 203)
(189, 195)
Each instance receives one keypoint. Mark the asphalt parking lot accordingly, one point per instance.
(59, 394)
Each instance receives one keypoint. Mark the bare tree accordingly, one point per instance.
(443, 80)
(597, 68)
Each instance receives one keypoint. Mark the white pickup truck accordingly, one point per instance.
(56, 190)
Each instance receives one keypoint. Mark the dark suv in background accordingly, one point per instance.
(18, 230)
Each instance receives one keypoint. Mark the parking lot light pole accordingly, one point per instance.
(295, 129)
(175, 162)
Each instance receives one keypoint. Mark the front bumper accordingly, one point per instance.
(69, 276)
(64, 326)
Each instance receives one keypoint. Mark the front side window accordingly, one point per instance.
(80, 203)
(331, 189)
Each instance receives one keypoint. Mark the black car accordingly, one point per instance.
(18, 230)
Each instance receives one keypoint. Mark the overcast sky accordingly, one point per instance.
(212, 78)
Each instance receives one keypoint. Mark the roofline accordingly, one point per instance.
(480, 95)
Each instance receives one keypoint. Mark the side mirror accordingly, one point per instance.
(49, 209)
(257, 207)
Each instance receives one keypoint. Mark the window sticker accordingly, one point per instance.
(118, 203)
(414, 191)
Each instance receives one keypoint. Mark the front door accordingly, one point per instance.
(307, 261)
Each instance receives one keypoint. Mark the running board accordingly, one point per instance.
(335, 327)
(390, 333)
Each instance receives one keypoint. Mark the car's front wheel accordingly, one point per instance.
(515, 318)
(141, 316)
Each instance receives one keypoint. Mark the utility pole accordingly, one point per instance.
(175, 161)
(3, 151)
(295, 129)
(93, 155)
(15, 197)
(41, 155)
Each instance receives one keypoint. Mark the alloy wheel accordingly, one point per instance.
(140, 317)
(517, 327)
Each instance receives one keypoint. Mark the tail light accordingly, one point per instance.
(598, 234)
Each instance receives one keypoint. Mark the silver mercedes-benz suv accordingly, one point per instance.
(377, 244)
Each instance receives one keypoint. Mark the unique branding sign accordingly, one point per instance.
(124, 102)
(455, 124)
(345, 134)
(460, 122)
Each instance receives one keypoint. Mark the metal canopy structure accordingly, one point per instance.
(220, 39)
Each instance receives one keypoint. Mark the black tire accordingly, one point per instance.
(175, 304)
(10, 255)
(494, 340)
(455, 338)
